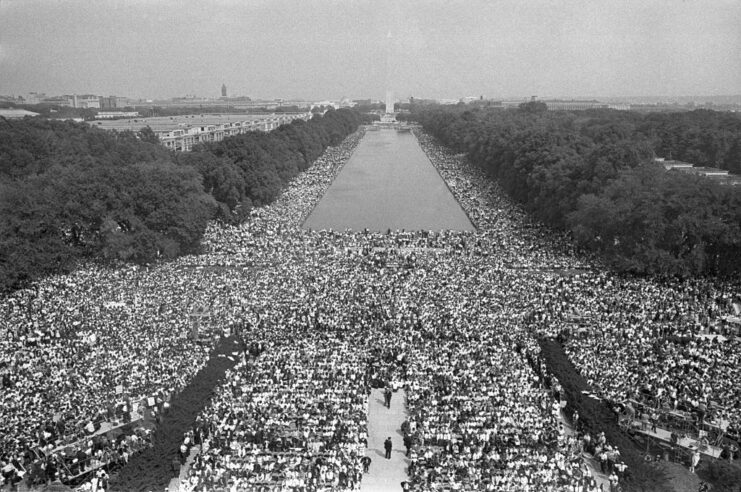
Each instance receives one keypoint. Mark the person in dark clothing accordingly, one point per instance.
(408, 443)
(387, 446)
(366, 462)
(387, 397)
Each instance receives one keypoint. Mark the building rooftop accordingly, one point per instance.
(671, 164)
(719, 175)
(166, 123)
(703, 171)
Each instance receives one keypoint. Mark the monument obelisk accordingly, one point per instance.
(389, 91)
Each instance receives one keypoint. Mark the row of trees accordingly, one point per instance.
(592, 172)
(69, 191)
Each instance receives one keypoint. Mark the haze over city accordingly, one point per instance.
(293, 49)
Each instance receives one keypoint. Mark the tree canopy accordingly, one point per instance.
(69, 191)
(592, 172)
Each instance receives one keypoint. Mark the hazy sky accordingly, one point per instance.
(332, 48)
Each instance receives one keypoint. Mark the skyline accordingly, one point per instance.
(439, 49)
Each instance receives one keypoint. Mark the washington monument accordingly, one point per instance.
(389, 90)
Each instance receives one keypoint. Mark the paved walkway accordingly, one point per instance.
(385, 475)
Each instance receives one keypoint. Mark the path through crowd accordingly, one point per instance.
(385, 474)
(602, 480)
(184, 469)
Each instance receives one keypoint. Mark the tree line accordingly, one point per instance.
(592, 173)
(69, 191)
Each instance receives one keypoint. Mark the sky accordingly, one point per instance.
(320, 49)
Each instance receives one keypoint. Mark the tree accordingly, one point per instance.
(146, 134)
(533, 107)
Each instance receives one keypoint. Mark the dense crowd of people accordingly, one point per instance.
(294, 415)
(86, 351)
(327, 315)
(426, 310)
(656, 344)
(97, 349)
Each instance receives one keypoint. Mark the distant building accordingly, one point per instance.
(85, 101)
(572, 105)
(112, 115)
(720, 175)
(111, 102)
(672, 164)
(223, 90)
(63, 101)
(34, 97)
(183, 132)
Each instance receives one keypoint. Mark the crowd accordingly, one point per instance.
(294, 415)
(451, 316)
(650, 342)
(102, 348)
(88, 351)
(430, 311)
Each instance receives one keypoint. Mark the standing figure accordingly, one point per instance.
(694, 460)
(387, 397)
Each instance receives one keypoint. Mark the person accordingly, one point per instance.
(620, 469)
(183, 453)
(695, 460)
(602, 461)
(613, 482)
(366, 462)
(408, 442)
(387, 397)
(405, 427)
(102, 480)
(387, 446)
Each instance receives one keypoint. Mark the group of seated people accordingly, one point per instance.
(293, 416)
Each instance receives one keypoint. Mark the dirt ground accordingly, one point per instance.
(679, 477)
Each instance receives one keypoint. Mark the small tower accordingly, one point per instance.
(223, 90)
